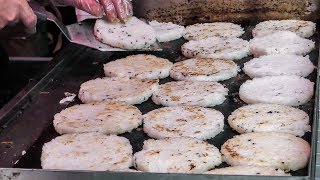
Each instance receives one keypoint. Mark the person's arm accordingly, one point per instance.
(114, 9)
(13, 11)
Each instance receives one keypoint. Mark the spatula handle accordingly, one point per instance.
(39, 10)
(44, 15)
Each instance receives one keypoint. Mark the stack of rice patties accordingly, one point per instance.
(186, 121)
(215, 40)
(279, 68)
(135, 34)
(107, 112)
(269, 125)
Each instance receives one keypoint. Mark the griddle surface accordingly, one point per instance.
(82, 64)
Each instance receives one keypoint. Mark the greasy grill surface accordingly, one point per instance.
(195, 11)
(85, 64)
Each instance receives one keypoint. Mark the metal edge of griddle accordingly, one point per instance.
(315, 139)
(32, 174)
(314, 166)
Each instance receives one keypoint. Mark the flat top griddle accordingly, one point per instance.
(27, 120)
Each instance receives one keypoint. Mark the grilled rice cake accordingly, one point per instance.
(197, 122)
(249, 170)
(272, 149)
(216, 29)
(269, 117)
(285, 90)
(177, 155)
(279, 64)
(200, 69)
(282, 42)
(302, 28)
(190, 93)
(167, 31)
(134, 34)
(214, 47)
(130, 90)
(106, 118)
(88, 151)
(142, 66)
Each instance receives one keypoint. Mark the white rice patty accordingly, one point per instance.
(281, 42)
(177, 155)
(279, 64)
(278, 150)
(302, 28)
(167, 31)
(269, 117)
(134, 34)
(88, 151)
(285, 90)
(130, 90)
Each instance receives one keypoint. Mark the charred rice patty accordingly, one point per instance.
(107, 118)
(199, 69)
(142, 66)
(216, 29)
(213, 47)
(190, 93)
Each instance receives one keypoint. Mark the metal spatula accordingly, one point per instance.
(79, 33)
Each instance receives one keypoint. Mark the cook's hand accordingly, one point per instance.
(13, 11)
(121, 9)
